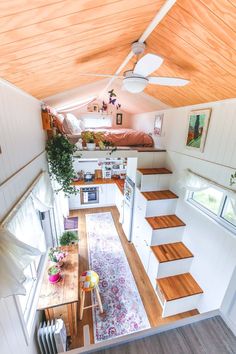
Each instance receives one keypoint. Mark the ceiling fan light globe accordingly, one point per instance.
(135, 84)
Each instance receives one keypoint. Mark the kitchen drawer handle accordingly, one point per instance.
(146, 243)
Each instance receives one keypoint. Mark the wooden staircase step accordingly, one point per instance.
(178, 286)
(154, 171)
(171, 252)
(165, 221)
(159, 195)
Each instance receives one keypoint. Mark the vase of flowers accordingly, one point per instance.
(54, 274)
(56, 256)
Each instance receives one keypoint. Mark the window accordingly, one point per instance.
(229, 211)
(218, 204)
(209, 198)
(26, 226)
(97, 121)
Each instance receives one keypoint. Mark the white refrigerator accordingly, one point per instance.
(128, 205)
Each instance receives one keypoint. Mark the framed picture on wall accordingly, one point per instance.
(198, 123)
(158, 122)
(119, 117)
(95, 107)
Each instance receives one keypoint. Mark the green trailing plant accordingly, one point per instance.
(233, 178)
(68, 237)
(60, 158)
(107, 145)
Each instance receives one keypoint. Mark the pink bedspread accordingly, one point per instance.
(127, 137)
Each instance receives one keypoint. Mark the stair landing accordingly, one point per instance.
(159, 195)
(163, 222)
(154, 171)
(171, 252)
(178, 286)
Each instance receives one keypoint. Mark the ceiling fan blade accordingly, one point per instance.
(101, 75)
(147, 64)
(167, 81)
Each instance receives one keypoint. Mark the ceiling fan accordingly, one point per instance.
(138, 78)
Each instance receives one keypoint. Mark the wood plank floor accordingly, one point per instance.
(148, 296)
(210, 336)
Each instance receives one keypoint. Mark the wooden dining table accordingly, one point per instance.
(60, 300)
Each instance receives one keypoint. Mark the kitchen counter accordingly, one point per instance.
(119, 182)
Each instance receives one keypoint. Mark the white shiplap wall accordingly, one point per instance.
(21, 140)
(213, 246)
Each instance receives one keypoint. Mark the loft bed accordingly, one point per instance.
(73, 128)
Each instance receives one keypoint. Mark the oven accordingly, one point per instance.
(89, 195)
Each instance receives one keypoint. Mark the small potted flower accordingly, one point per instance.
(56, 256)
(54, 274)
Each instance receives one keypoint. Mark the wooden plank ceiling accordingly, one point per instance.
(45, 44)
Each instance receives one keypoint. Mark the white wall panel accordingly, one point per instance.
(21, 140)
(214, 247)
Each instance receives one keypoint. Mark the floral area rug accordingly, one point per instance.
(124, 312)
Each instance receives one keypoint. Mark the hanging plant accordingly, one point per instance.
(60, 158)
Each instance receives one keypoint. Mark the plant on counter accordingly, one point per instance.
(68, 238)
(54, 274)
(56, 255)
(60, 159)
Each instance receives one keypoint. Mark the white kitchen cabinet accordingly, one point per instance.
(111, 194)
(74, 200)
(119, 198)
(102, 195)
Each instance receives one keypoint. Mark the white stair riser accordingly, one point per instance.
(161, 207)
(167, 269)
(151, 183)
(184, 304)
(168, 235)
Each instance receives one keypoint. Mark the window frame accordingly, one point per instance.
(27, 315)
(216, 217)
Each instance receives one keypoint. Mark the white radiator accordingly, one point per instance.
(52, 337)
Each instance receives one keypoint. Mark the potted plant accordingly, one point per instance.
(56, 256)
(68, 238)
(91, 139)
(60, 158)
(54, 274)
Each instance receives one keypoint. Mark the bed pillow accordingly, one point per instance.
(71, 124)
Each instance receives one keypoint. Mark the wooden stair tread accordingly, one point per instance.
(154, 171)
(171, 252)
(178, 286)
(165, 221)
(159, 195)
